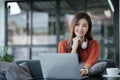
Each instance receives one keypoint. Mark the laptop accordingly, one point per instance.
(59, 66)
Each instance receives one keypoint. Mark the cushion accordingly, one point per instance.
(16, 73)
(3, 67)
(2, 72)
(98, 68)
(35, 68)
(25, 67)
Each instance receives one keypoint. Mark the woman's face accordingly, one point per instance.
(81, 28)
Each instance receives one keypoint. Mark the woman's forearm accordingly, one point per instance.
(73, 50)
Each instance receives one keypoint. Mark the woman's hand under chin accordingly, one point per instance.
(76, 42)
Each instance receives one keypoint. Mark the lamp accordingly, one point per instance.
(111, 5)
(14, 8)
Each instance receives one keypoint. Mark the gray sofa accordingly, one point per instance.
(36, 72)
(35, 69)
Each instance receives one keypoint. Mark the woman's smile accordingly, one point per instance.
(81, 28)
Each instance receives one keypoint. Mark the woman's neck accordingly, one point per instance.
(82, 38)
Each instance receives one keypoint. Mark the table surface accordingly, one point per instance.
(93, 78)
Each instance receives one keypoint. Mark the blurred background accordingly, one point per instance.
(31, 27)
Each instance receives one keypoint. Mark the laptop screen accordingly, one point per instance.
(59, 66)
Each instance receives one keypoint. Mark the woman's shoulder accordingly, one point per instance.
(63, 42)
(93, 42)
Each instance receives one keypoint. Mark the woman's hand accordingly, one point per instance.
(76, 42)
(83, 72)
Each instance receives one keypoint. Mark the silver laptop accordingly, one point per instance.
(59, 66)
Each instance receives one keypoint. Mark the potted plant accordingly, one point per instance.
(6, 57)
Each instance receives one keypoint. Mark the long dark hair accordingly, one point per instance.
(76, 18)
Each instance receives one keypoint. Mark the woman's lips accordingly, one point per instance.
(80, 32)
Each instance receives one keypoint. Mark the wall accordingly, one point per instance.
(2, 23)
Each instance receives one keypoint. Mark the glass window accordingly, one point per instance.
(37, 51)
(34, 26)
(18, 24)
(31, 24)
(21, 53)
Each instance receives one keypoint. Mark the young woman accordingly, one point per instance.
(81, 42)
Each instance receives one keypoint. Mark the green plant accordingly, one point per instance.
(6, 57)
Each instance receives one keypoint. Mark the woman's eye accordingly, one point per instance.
(85, 25)
(82, 25)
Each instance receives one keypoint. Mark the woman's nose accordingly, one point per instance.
(80, 27)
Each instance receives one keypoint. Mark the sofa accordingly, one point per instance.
(36, 72)
(35, 69)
